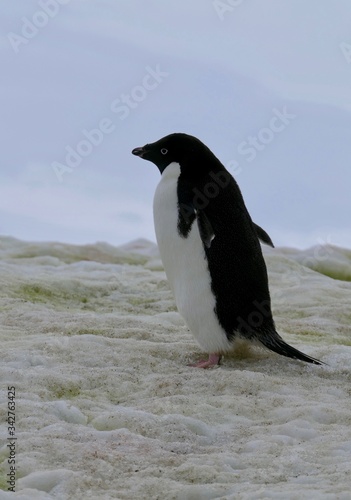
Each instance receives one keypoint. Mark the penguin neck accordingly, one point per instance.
(195, 169)
(172, 171)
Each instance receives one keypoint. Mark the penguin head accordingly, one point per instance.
(180, 148)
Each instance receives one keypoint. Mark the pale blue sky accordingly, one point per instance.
(140, 70)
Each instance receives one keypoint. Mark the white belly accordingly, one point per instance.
(186, 267)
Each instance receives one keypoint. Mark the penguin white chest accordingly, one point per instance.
(186, 267)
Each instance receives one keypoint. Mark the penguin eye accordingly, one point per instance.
(164, 151)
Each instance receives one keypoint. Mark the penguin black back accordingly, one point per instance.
(207, 191)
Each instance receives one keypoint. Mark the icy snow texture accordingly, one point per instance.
(107, 408)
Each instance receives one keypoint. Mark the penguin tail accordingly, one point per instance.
(274, 342)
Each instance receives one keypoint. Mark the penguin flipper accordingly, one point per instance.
(186, 217)
(205, 228)
(188, 212)
(263, 236)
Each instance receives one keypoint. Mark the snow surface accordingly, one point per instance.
(107, 408)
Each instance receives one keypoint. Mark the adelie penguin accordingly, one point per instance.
(210, 250)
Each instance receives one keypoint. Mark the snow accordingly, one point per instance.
(106, 406)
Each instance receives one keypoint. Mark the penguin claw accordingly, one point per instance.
(213, 360)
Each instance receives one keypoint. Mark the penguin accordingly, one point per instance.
(210, 250)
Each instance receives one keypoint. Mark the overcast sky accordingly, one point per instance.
(265, 84)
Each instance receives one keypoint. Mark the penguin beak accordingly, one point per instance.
(139, 152)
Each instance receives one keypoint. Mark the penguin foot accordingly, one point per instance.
(213, 360)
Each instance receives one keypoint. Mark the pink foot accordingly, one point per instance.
(213, 360)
